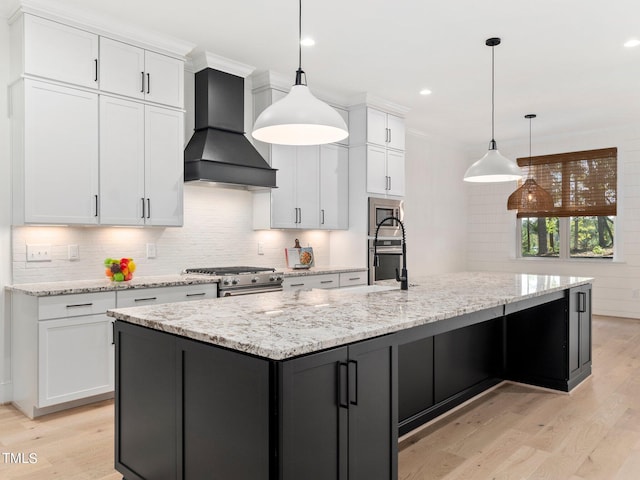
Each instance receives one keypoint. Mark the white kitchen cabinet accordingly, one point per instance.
(141, 168)
(351, 279)
(294, 204)
(396, 173)
(55, 154)
(384, 129)
(164, 166)
(56, 51)
(152, 296)
(334, 187)
(385, 171)
(306, 282)
(139, 73)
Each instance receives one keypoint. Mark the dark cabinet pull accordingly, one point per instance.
(297, 284)
(143, 210)
(343, 385)
(96, 70)
(353, 382)
(148, 208)
(148, 83)
(389, 135)
(582, 302)
(148, 299)
(322, 212)
(326, 281)
(389, 184)
(196, 294)
(96, 204)
(354, 278)
(142, 87)
(113, 333)
(300, 220)
(80, 305)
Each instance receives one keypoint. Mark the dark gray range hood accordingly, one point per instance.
(218, 150)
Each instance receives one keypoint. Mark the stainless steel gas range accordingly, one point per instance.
(243, 280)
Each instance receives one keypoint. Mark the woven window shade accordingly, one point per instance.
(581, 183)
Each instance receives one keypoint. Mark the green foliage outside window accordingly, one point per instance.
(540, 237)
(592, 237)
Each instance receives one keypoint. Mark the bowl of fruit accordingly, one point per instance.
(119, 270)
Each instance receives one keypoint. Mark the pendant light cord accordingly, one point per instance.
(493, 89)
(300, 72)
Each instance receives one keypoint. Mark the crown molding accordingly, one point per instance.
(200, 60)
(367, 99)
(101, 25)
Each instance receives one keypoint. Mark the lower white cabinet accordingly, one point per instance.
(75, 358)
(62, 345)
(325, 280)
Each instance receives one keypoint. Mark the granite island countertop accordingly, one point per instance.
(282, 325)
(46, 289)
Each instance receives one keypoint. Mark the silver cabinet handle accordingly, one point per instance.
(77, 305)
(142, 84)
(148, 299)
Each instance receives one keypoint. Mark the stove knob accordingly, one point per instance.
(226, 282)
(234, 281)
(254, 280)
(279, 278)
(272, 278)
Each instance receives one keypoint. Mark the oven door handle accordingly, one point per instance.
(388, 250)
(249, 291)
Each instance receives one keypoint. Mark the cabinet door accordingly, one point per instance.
(75, 358)
(121, 68)
(314, 419)
(164, 79)
(395, 171)
(376, 127)
(60, 154)
(121, 162)
(59, 52)
(334, 187)
(164, 169)
(396, 132)
(579, 329)
(377, 181)
(307, 187)
(415, 377)
(283, 198)
(373, 418)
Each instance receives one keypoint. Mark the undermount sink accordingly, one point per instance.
(369, 288)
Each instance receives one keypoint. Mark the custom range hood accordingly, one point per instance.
(218, 150)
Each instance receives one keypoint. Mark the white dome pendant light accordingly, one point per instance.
(300, 118)
(493, 167)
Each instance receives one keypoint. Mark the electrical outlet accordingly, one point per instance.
(260, 248)
(73, 252)
(38, 253)
(151, 250)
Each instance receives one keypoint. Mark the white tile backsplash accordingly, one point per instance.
(217, 231)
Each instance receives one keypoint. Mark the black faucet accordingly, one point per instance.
(400, 277)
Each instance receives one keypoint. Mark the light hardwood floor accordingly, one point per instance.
(513, 432)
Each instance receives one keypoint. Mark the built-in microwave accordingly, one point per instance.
(381, 208)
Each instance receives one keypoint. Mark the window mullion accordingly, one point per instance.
(565, 237)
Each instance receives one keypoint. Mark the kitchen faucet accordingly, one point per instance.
(402, 278)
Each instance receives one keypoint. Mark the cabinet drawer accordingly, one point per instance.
(64, 306)
(151, 296)
(349, 279)
(312, 281)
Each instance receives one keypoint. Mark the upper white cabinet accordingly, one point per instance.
(108, 154)
(55, 148)
(141, 172)
(138, 73)
(378, 142)
(56, 51)
(334, 187)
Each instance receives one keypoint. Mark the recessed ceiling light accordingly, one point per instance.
(425, 91)
(307, 42)
(634, 42)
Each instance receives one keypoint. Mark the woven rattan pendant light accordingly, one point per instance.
(530, 196)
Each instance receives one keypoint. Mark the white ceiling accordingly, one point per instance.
(561, 59)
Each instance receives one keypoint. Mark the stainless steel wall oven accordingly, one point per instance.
(389, 259)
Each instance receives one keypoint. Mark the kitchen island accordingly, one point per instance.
(318, 384)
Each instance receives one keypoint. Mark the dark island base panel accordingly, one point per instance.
(190, 410)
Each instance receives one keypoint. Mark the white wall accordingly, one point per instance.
(5, 230)
(435, 206)
(491, 244)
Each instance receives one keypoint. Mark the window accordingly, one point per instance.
(581, 223)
